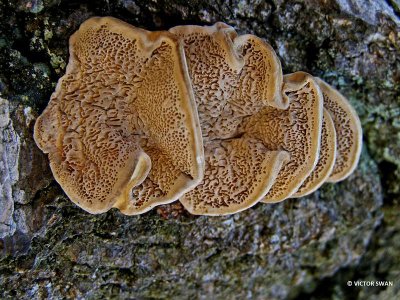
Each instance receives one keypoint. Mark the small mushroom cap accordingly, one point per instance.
(348, 132)
(296, 130)
(238, 174)
(122, 126)
(326, 160)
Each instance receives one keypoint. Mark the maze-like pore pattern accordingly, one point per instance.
(238, 173)
(233, 78)
(296, 130)
(120, 98)
(348, 132)
(326, 160)
(198, 114)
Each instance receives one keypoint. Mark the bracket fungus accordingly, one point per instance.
(233, 77)
(196, 113)
(121, 128)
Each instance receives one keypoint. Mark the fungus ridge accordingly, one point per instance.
(238, 173)
(232, 77)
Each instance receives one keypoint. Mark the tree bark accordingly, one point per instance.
(308, 247)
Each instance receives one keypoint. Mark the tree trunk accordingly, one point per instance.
(309, 247)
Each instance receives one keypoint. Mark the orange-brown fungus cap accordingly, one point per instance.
(348, 132)
(124, 106)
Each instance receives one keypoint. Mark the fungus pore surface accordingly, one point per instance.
(121, 129)
(198, 114)
(233, 77)
(296, 130)
(348, 132)
(326, 160)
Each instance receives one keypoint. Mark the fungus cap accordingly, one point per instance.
(122, 122)
(91, 180)
(296, 130)
(326, 160)
(348, 132)
(127, 123)
(238, 174)
(232, 77)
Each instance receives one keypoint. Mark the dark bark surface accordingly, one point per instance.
(308, 247)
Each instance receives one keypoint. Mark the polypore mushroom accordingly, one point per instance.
(124, 106)
(233, 77)
(296, 130)
(348, 131)
(326, 160)
(126, 124)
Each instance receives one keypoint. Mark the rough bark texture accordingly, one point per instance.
(308, 247)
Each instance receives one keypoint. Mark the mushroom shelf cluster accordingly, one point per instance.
(197, 114)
